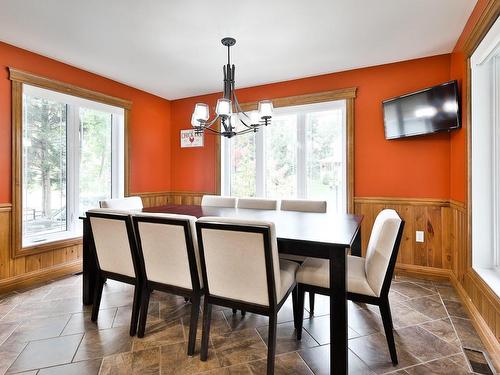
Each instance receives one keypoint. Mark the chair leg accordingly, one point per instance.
(144, 312)
(271, 343)
(207, 317)
(193, 324)
(243, 312)
(301, 293)
(99, 284)
(295, 294)
(136, 307)
(385, 312)
(235, 311)
(311, 303)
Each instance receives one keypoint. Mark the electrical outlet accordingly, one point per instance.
(419, 236)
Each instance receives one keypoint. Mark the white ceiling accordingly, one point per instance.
(172, 48)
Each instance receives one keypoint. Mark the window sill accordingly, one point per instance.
(491, 277)
(41, 247)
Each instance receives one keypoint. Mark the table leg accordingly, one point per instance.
(338, 312)
(89, 266)
(356, 245)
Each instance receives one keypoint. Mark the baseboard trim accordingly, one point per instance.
(486, 335)
(432, 273)
(36, 277)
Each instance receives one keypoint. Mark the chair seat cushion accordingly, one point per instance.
(288, 270)
(295, 258)
(316, 272)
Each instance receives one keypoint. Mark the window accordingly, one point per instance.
(72, 157)
(485, 143)
(302, 154)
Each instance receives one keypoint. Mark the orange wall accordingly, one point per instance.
(149, 121)
(458, 140)
(415, 167)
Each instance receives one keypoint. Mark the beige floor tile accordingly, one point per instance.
(45, 353)
(98, 344)
(144, 362)
(239, 347)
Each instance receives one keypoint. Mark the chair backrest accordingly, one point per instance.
(258, 203)
(128, 203)
(114, 241)
(382, 249)
(218, 201)
(166, 244)
(303, 205)
(239, 259)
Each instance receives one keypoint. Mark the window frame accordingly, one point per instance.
(483, 65)
(347, 94)
(18, 78)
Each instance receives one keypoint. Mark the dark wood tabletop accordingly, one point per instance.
(326, 228)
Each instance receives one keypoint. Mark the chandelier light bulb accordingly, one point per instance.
(234, 120)
(194, 122)
(265, 109)
(223, 107)
(254, 117)
(201, 112)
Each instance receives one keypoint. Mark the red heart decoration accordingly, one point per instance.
(191, 139)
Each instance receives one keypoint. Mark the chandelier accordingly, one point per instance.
(233, 120)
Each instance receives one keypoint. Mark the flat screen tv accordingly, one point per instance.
(423, 112)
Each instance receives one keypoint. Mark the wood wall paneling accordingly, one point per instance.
(170, 197)
(430, 216)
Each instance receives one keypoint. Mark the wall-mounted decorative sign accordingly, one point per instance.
(190, 139)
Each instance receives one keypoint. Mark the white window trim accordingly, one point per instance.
(73, 104)
(225, 166)
(485, 93)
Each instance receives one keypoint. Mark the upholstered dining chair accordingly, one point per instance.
(127, 203)
(218, 201)
(258, 203)
(114, 249)
(368, 279)
(241, 270)
(169, 262)
(302, 205)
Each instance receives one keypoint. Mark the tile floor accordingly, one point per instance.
(46, 330)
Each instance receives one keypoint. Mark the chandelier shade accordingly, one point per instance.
(233, 119)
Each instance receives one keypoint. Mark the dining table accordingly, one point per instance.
(320, 235)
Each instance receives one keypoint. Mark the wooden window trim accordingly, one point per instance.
(18, 78)
(347, 94)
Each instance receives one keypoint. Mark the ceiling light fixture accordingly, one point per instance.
(234, 121)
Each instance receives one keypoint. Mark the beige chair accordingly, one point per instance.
(302, 205)
(258, 203)
(128, 203)
(241, 270)
(169, 261)
(218, 201)
(115, 253)
(368, 279)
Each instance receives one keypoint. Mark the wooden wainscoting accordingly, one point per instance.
(432, 216)
(171, 197)
(24, 271)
